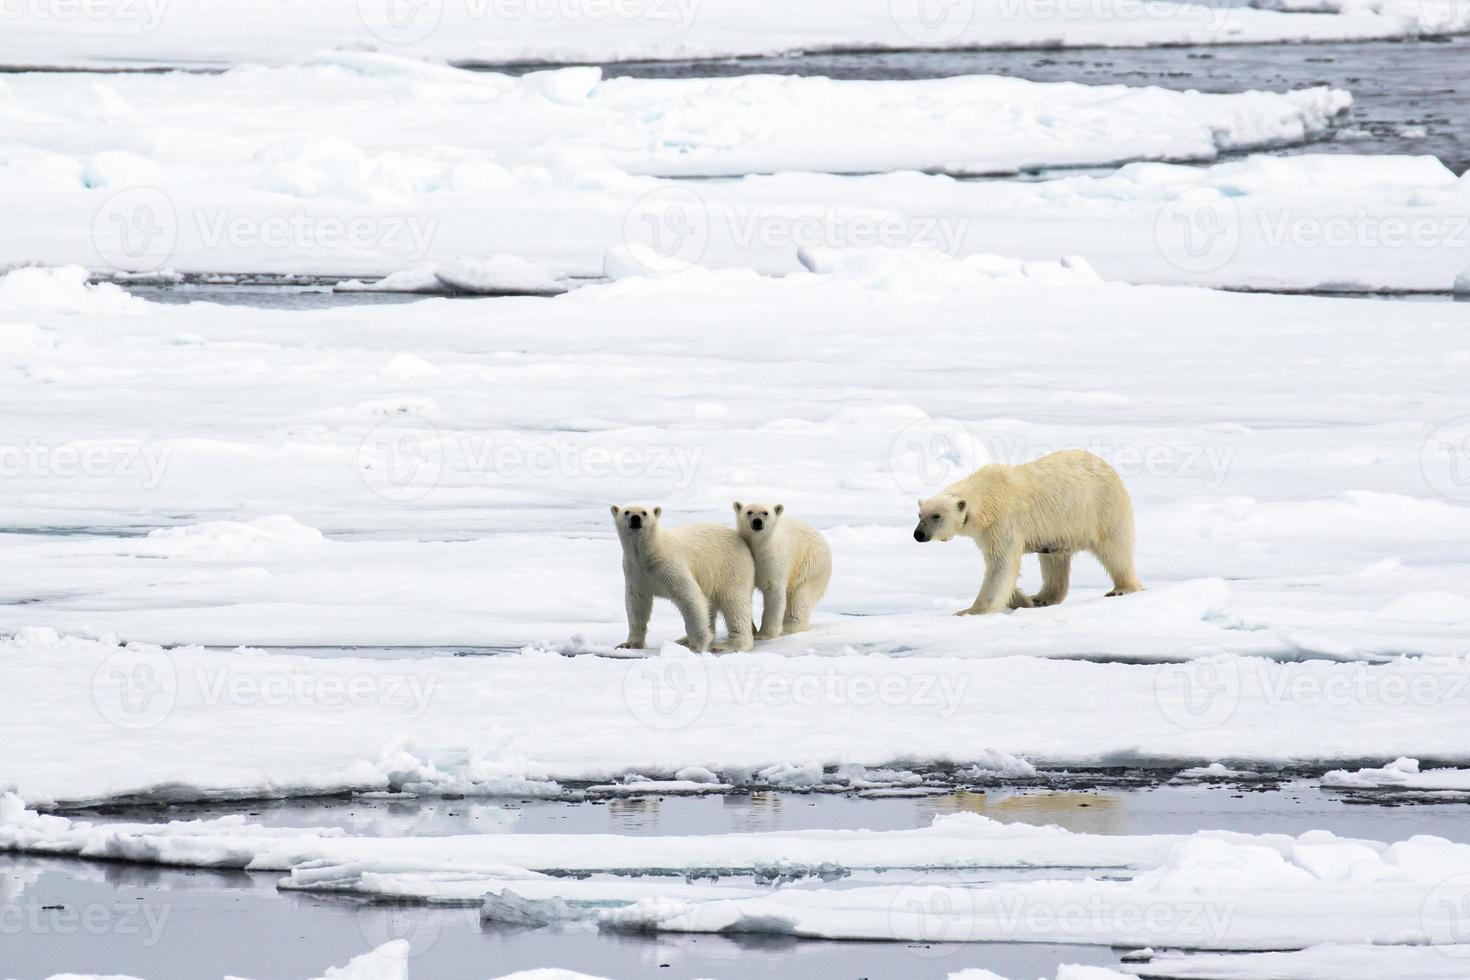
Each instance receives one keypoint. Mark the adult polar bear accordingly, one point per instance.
(705, 569)
(1055, 506)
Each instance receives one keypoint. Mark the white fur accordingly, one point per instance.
(1058, 505)
(705, 569)
(792, 566)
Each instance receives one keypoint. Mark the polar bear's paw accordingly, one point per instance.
(1127, 591)
(631, 646)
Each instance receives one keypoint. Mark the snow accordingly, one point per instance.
(1302, 544)
(394, 181)
(1330, 961)
(387, 130)
(31, 291)
(364, 549)
(138, 722)
(185, 34)
(1282, 514)
(390, 183)
(1207, 890)
(1208, 893)
(499, 275)
(1402, 773)
(956, 841)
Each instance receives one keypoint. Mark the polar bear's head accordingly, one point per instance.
(940, 517)
(756, 520)
(635, 521)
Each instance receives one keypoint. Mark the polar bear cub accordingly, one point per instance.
(1060, 504)
(705, 569)
(792, 566)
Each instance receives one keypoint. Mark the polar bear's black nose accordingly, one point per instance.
(920, 534)
(635, 522)
(756, 523)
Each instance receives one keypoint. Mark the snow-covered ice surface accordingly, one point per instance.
(1401, 774)
(1330, 961)
(185, 33)
(410, 164)
(451, 462)
(807, 300)
(137, 174)
(1209, 890)
(191, 724)
(572, 119)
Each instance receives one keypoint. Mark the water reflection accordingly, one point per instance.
(634, 815)
(1090, 813)
(754, 813)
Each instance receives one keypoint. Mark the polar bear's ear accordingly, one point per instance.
(658, 512)
(780, 509)
(615, 509)
(961, 506)
(738, 505)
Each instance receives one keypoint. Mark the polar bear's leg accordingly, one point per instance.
(773, 610)
(807, 592)
(1056, 578)
(640, 608)
(683, 641)
(695, 609)
(1002, 568)
(1117, 558)
(803, 599)
(736, 608)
